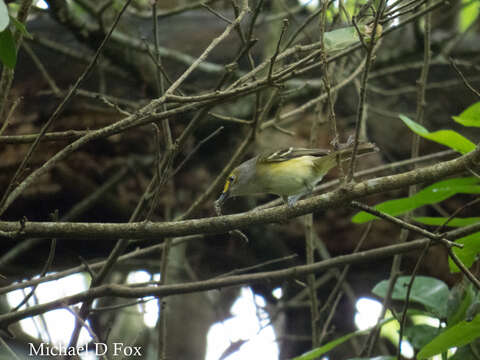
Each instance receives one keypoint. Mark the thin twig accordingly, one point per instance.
(301, 28)
(465, 81)
(406, 304)
(6, 77)
(455, 213)
(463, 268)
(60, 108)
(9, 349)
(208, 50)
(41, 68)
(312, 293)
(220, 178)
(153, 250)
(258, 266)
(329, 318)
(107, 266)
(46, 267)
(195, 149)
(217, 14)
(436, 237)
(415, 151)
(336, 291)
(128, 291)
(277, 49)
(335, 198)
(372, 45)
(184, 8)
(311, 103)
(87, 326)
(9, 115)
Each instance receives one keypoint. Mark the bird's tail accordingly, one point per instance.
(329, 161)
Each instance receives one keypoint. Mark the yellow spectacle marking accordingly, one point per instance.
(227, 184)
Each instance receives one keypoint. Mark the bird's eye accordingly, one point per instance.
(231, 178)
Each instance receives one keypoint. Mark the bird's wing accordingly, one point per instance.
(291, 153)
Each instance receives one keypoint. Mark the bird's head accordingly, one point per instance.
(240, 181)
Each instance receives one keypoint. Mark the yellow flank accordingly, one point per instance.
(298, 164)
(288, 177)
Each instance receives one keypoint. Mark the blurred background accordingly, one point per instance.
(105, 180)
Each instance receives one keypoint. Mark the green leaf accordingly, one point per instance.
(439, 221)
(4, 18)
(315, 353)
(470, 116)
(420, 335)
(458, 335)
(375, 358)
(392, 207)
(8, 52)
(340, 39)
(459, 299)
(432, 194)
(468, 14)
(470, 250)
(449, 138)
(21, 27)
(430, 292)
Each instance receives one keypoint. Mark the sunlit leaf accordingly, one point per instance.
(439, 221)
(430, 292)
(375, 358)
(470, 116)
(340, 39)
(4, 18)
(468, 14)
(449, 138)
(21, 27)
(458, 335)
(315, 353)
(470, 250)
(432, 194)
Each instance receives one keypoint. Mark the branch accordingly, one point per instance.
(174, 289)
(221, 224)
(405, 225)
(59, 110)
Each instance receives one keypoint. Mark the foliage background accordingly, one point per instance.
(169, 162)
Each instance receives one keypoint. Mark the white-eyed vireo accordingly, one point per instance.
(289, 173)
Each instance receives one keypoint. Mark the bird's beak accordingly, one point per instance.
(219, 202)
(223, 197)
(225, 193)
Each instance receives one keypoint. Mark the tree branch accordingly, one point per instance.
(216, 283)
(220, 224)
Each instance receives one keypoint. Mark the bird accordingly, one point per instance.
(289, 173)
